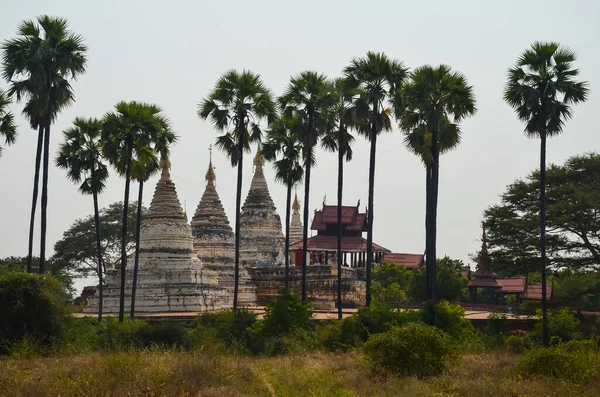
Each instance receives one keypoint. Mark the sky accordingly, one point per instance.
(171, 53)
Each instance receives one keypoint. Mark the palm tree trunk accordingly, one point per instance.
(99, 249)
(138, 224)
(545, 334)
(238, 204)
(305, 225)
(287, 234)
(432, 216)
(45, 195)
(36, 180)
(370, 214)
(427, 230)
(124, 238)
(340, 227)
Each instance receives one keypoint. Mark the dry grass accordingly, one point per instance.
(168, 373)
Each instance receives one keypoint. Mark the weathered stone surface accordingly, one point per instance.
(214, 242)
(321, 285)
(261, 237)
(170, 277)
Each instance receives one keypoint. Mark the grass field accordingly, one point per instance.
(169, 373)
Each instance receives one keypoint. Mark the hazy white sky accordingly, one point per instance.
(172, 52)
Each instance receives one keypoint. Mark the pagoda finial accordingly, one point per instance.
(210, 173)
(483, 258)
(324, 200)
(296, 204)
(259, 159)
(166, 165)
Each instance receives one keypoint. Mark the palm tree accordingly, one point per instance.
(38, 66)
(156, 138)
(541, 88)
(8, 128)
(378, 77)
(429, 107)
(81, 156)
(338, 138)
(126, 143)
(308, 98)
(283, 138)
(235, 106)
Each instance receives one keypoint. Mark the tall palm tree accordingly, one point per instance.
(283, 138)
(378, 77)
(126, 143)
(8, 128)
(338, 139)
(235, 106)
(155, 140)
(541, 88)
(430, 106)
(308, 98)
(38, 65)
(81, 155)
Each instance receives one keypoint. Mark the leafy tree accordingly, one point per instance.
(308, 97)
(377, 77)
(76, 250)
(573, 224)
(56, 269)
(235, 106)
(338, 139)
(541, 88)
(283, 138)
(81, 156)
(8, 128)
(434, 101)
(38, 65)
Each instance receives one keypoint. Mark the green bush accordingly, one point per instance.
(340, 335)
(226, 325)
(497, 323)
(576, 361)
(414, 349)
(167, 334)
(81, 335)
(113, 334)
(516, 343)
(563, 326)
(31, 307)
(447, 317)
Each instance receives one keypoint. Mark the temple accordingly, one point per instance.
(295, 226)
(323, 247)
(261, 236)
(214, 241)
(486, 279)
(171, 278)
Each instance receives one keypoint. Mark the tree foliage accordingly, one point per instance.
(76, 251)
(573, 219)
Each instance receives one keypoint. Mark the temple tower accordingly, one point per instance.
(261, 238)
(214, 241)
(296, 223)
(170, 277)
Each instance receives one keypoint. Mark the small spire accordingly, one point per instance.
(210, 173)
(296, 204)
(259, 159)
(483, 258)
(166, 165)
(324, 200)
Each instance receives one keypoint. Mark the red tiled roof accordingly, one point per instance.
(534, 291)
(484, 283)
(353, 220)
(512, 285)
(409, 261)
(329, 243)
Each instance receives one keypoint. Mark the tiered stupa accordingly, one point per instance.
(170, 276)
(214, 241)
(261, 238)
(296, 223)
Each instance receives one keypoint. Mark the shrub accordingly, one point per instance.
(576, 361)
(167, 334)
(81, 335)
(497, 323)
(447, 317)
(413, 349)
(230, 327)
(562, 325)
(379, 317)
(113, 334)
(31, 306)
(340, 335)
(515, 343)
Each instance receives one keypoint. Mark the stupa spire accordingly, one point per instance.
(296, 222)
(483, 258)
(296, 204)
(259, 158)
(210, 173)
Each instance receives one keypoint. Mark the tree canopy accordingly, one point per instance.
(573, 216)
